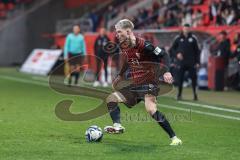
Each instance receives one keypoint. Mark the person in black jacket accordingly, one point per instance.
(101, 56)
(237, 50)
(224, 47)
(224, 50)
(185, 49)
(237, 54)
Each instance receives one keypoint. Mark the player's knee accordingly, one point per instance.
(112, 102)
(150, 104)
(111, 98)
(151, 108)
(150, 98)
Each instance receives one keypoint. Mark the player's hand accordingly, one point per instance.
(180, 56)
(168, 78)
(116, 81)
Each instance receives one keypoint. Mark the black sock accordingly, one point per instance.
(76, 77)
(114, 111)
(70, 79)
(163, 122)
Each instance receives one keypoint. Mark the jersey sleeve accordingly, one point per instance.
(157, 52)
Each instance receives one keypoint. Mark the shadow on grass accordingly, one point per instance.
(125, 146)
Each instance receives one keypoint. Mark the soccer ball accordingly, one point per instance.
(94, 134)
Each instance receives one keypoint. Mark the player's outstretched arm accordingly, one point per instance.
(162, 54)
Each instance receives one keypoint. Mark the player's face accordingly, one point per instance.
(122, 35)
(76, 29)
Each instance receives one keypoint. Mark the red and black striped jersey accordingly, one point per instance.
(143, 62)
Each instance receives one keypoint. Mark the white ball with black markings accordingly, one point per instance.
(94, 134)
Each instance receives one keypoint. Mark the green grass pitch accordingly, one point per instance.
(30, 130)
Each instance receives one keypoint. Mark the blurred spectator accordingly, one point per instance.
(109, 14)
(95, 20)
(7, 7)
(155, 6)
(237, 53)
(187, 18)
(101, 57)
(185, 2)
(197, 1)
(237, 50)
(223, 50)
(197, 18)
(74, 52)
(213, 8)
(220, 18)
(231, 18)
(205, 54)
(185, 49)
(170, 20)
(175, 13)
(142, 14)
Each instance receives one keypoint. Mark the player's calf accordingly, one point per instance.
(114, 111)
(151, 107)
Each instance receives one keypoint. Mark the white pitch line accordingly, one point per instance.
(210, 107)
(35, 83)
(162, 105)
(44, 79)
(200, 112)
(23, 80)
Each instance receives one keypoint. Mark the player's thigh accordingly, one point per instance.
(116, 97)
(131, 97)
(150, 103)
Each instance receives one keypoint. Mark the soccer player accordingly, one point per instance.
(142, 59)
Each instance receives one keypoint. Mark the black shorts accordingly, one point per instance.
(136, 93)
(75, 59)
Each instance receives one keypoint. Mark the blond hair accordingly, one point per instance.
(124, 24)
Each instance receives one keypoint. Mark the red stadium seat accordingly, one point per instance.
(10, 6)
(2, 6)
